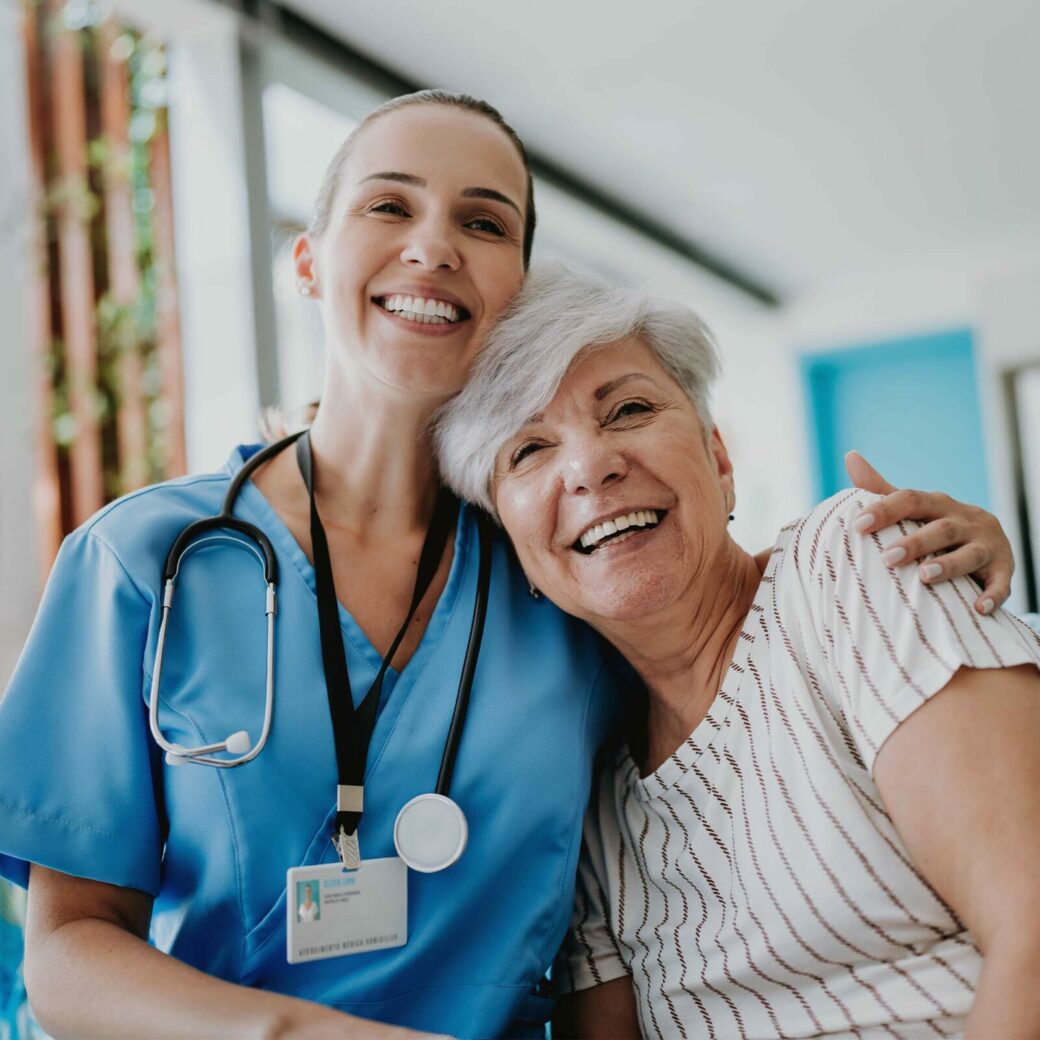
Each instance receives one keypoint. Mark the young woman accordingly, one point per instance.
(157, 891)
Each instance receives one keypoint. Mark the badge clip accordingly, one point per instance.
(347, 847)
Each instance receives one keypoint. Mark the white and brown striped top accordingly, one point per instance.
(755, 885)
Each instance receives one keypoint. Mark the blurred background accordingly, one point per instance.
(849, 193)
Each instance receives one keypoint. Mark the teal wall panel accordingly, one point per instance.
(911, 406)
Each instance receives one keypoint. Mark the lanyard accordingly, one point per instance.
(352, 728)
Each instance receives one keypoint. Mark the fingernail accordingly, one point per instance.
(862, 522)
(987, 606)
(929, 570)
(893, 555)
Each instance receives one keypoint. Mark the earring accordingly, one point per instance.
(731, 518)
(532, 591)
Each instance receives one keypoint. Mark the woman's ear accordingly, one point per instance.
(723, 467)
(305, 266)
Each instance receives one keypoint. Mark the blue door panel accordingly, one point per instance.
(911, 406)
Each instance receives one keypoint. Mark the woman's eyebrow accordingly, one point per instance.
(490, 193)
(608, 388)
(394, 175)
(419, 182)
(604, 391)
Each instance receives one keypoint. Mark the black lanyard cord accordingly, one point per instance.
(469, 664)
(352, 729)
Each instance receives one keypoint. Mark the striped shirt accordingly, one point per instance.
(754, 885)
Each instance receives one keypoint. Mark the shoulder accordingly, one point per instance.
(834, 580)
(183, 497)
(138, 528)
(824, 535)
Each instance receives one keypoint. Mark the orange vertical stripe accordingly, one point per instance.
(68, 110)
(124, 280)
(46, 482)
(169, 334)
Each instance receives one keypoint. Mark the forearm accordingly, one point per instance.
(1007, 1000)
(92, 978)
(607, 1010)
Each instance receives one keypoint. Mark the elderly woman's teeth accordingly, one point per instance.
(618, 528)
(423, 311)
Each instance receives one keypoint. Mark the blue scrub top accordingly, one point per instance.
(86, 791)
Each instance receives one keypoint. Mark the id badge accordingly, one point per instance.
(333, 912)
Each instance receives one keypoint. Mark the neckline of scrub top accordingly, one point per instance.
(272, 525)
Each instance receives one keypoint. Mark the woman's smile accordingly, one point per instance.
(616, 529)
(428, 311)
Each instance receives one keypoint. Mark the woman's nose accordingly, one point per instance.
(590, 465)
(432, 247)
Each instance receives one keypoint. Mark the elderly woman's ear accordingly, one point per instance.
(724, 466)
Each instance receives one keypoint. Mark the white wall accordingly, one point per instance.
(211, 223)
(19, 572)
(761, 416)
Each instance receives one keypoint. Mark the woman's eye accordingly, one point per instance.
(522, 453)
(394, 208)
(486, 224)
(629, 408)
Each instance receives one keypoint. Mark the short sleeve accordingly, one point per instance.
(891, 641)
(78, 791)
(590, 954)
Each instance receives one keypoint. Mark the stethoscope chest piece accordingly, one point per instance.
(430, 833)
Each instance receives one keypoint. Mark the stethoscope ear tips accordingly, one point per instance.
(238, 743)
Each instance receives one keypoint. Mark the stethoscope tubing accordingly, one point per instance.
(476, 635)
(185, 543)
(202, 755)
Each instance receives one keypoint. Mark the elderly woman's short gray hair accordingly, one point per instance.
(558, 314)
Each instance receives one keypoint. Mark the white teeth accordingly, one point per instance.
(638, 518)
(422, 310)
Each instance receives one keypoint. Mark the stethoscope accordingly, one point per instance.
(430, 832)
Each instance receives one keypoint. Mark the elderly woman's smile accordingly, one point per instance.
(613, 491)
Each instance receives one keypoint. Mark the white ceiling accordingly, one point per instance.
(798, 141)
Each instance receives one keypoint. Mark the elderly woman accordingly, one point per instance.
(826, 819)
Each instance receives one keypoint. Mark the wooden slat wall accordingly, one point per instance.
(69, 119)
(123, 277)
(169, 332)
(79, 86)
(47, 483)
